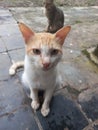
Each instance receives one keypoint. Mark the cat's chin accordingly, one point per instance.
(46, 69)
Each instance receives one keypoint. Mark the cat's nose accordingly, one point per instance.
(46, 65)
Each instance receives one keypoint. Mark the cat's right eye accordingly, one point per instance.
(36, 51)
(54, 52)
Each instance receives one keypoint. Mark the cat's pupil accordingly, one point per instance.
(37, 51)
(54, 52)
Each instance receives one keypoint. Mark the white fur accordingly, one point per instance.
(40, 67)
(14, 67)
(38, 79)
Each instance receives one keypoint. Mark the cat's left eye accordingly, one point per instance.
(54, 52)
(37, 51)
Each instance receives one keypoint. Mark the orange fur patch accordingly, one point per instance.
(43, 39)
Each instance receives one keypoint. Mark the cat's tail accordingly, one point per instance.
(15, 66)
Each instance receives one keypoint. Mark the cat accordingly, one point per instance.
(43, 53)
(54, 15)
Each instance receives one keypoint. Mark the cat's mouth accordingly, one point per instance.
(46, 68)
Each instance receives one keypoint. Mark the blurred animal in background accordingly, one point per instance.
(54, 15)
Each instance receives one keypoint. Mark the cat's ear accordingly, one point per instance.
(61, 34)
(26, 32)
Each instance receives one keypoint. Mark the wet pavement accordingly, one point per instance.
(75, 104)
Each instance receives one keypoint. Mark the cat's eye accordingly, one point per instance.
(54, 52)
(36, 51)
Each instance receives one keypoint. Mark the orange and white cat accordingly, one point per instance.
(43, 53)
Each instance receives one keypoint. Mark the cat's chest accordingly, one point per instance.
(42, 79)
(45, 78)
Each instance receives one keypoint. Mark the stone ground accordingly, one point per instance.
(74, 105)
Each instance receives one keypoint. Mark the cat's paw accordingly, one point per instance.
(35, 105)
(11, 71)
(45, 111)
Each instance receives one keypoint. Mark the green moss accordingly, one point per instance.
(72, 90)
(96, 51)
(86, 53)
(78, 21)
(91, 61)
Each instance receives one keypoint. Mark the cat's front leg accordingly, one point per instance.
(47, 98)
(35, 101)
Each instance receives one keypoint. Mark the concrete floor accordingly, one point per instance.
(74, 105)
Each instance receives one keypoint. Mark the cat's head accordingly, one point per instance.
(48, 4)
(44, 49)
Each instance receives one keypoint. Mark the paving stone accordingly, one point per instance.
(9, 29)
(6, 17)
(92, 126)
(73, 76)
(89, 102)
(21, 119)
(7, 20)
(12, 96)
(17, 55)
(4, 66)
(70, 54)
(96, 127)
(13, 42)
(4, 12)
(64, 114)
(39, 21)
(2, 46)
